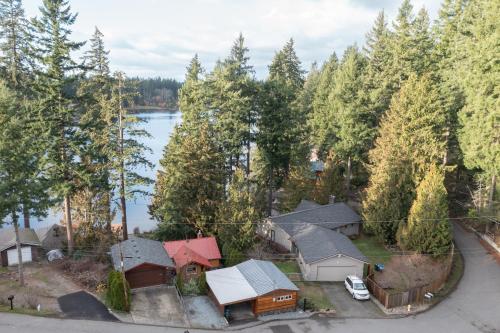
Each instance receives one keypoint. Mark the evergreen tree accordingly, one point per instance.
(192, 95)
(479, 72)
(237, 215)
(353, 123)
(58, 110)
(286, 68)
(190, 183)
(19, 157)
(410, 139)
(378, 85)
(321, 130)
(428, 230)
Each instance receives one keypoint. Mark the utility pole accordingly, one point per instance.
(123, 276)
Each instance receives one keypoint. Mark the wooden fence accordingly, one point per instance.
(411, 296)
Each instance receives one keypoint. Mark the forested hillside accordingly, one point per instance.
(156, 93)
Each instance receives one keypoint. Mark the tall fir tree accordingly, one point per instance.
(192, 95)
(410, 140)
(190, 183)
(428, 230)
(479, 70)
(58, 109)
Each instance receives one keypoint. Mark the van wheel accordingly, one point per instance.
(353, 297)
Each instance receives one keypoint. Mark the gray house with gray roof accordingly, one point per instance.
(319, 236)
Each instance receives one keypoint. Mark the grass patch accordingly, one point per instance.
(313, 292)
(288, 267)
(21, 310)
(373, 249)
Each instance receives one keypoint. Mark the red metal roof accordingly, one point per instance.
(199, 250)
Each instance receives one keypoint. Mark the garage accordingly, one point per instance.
(144, 261)
(335, 273)
(13, 258)
(327, 255)
(147, 275)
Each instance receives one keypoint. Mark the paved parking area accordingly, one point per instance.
(202, 313)
(346, 306)
(82, 305)
(157, 306)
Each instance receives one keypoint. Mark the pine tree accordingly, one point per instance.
(378, 86)
(190, 183)
(58, 110)
(237, 215)
(192, 95)
(410, 139)
(286, 67)
(353, 123)
(19, 157)
(321, 130)
(479, 71)
(428, 230)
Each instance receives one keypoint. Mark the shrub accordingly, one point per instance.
(115, 296)
(191, 287)
(202, 284)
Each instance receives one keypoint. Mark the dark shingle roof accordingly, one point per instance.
(306, 204)
(330, 216)
(317, 243)
(137, 251)
(26, 236)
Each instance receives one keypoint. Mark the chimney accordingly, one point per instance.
(199, 235)
(331, 199)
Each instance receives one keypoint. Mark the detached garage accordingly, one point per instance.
(30, 246)
(259, 286)
(145, 262)
(327, 255)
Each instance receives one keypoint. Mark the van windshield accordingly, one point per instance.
(359, 286)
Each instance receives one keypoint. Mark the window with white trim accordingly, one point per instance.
(283, 298)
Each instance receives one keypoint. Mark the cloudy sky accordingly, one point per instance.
(158, 37)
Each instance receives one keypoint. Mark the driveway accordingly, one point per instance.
(346, 306)
(157, 306)
(82, 305)
(202, 313)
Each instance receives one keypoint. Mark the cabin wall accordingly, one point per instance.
(270, 303)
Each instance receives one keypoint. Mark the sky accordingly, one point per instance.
(151, 38)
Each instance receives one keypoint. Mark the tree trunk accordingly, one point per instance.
(123, 203)
(270, 194)
(26, 216)
(18, 247)
(69, 223)
(492, 192)
(248, 159)
(348, 177)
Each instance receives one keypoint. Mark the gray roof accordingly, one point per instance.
(317, 243)
(26, 236)
(264, 276)
(137, 251)
(306, 204)
(43, 232)
(330, 216)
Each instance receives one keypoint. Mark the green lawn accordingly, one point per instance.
(288, 267)
(373, 249)
(313, 292)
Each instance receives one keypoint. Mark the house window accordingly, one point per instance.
(191, 269)
(282, 298)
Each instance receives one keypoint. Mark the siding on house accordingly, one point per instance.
(331, 269)
(280, 237)
(270, 302)
(35, 254)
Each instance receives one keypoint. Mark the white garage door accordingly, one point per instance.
(12, 255)
(336, 273)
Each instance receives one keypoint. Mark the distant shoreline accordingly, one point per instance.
(151, 109)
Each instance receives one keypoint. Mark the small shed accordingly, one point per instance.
(30, 246)
(257, 284)
(145, 262)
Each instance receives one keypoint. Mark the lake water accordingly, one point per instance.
(160, 125)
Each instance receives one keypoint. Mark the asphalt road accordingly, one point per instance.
(473, 307)
(82, 305)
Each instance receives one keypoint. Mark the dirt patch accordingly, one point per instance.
(89, 274)
(404, 272)
(43, 285)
